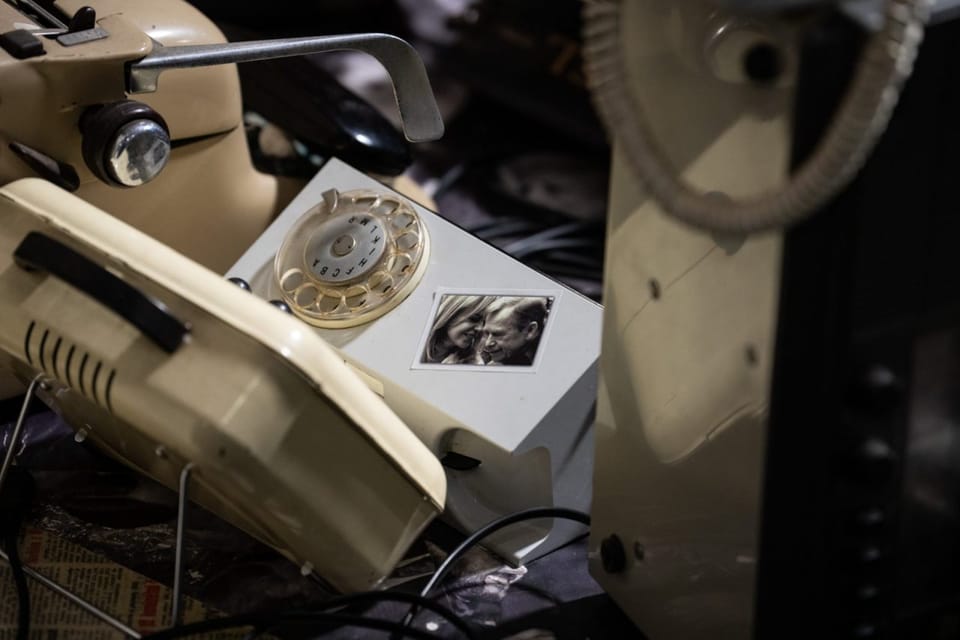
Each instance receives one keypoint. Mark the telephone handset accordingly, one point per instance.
(162, 363)
(353, 257)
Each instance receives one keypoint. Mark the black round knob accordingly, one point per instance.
(126, 143)
(763, 63)
(280, 304)
(612, 554)
(870, 554)
(877, 390)
(85, 18)
(874, 460)
(871, 518)
(868, 592)
(240, 282)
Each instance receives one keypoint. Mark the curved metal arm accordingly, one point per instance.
(411, 87)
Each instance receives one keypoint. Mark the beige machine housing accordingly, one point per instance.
(688, 334)
(209, 185)
(286, 442)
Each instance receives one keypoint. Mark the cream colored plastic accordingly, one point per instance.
(352, 258)
(288, 443)
(687, 345)
(209, 189)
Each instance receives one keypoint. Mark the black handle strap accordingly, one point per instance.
(39, 252)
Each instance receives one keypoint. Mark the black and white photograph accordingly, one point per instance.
(478, 330)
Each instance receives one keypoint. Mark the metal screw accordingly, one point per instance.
(639, 551)
(240, 282)
(283, 306)
(343, 245)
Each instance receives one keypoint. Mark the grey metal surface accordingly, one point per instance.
(177, 614)
(40, 11)
(74, 38)
(418, 109)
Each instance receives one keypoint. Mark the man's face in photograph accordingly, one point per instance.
(502, 339)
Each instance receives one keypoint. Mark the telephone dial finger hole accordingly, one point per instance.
(401, 264)
(403, 221)
(306, 295)
(385, 208)
(291, 280)
(328, 304)
(356, 301)
(407, 241)
(381, 282)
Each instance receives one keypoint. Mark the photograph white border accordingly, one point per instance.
(438, 295)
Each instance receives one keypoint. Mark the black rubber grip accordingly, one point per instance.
(39, 252)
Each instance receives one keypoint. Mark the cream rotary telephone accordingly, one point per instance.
(375, 275)
(352, 258)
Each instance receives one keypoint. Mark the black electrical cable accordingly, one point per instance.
(10, 544)
(16, 498)
(551, 245)
(262, 621)
(273, 619)
(449, 179)
(536, 513)
(576, 229)
(501, 228)
(411, 598)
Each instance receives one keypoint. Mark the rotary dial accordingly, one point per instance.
(351, 258)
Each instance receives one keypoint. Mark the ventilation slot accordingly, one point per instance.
(70, 364)
(26, 342)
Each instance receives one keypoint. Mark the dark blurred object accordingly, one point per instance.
(561, 182)
(526, 55)
(296, 17)
(328, 119)
(860, 534)
(512, 182)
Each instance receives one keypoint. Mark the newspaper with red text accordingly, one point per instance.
(137, 601)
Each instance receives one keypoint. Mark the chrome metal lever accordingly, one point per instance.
(418, 108)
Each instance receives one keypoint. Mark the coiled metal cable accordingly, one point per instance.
(886, 63)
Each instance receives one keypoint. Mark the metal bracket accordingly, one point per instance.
(177, 606)
(73, 38)
(176, 616)
(418, 109)
(18, 428)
